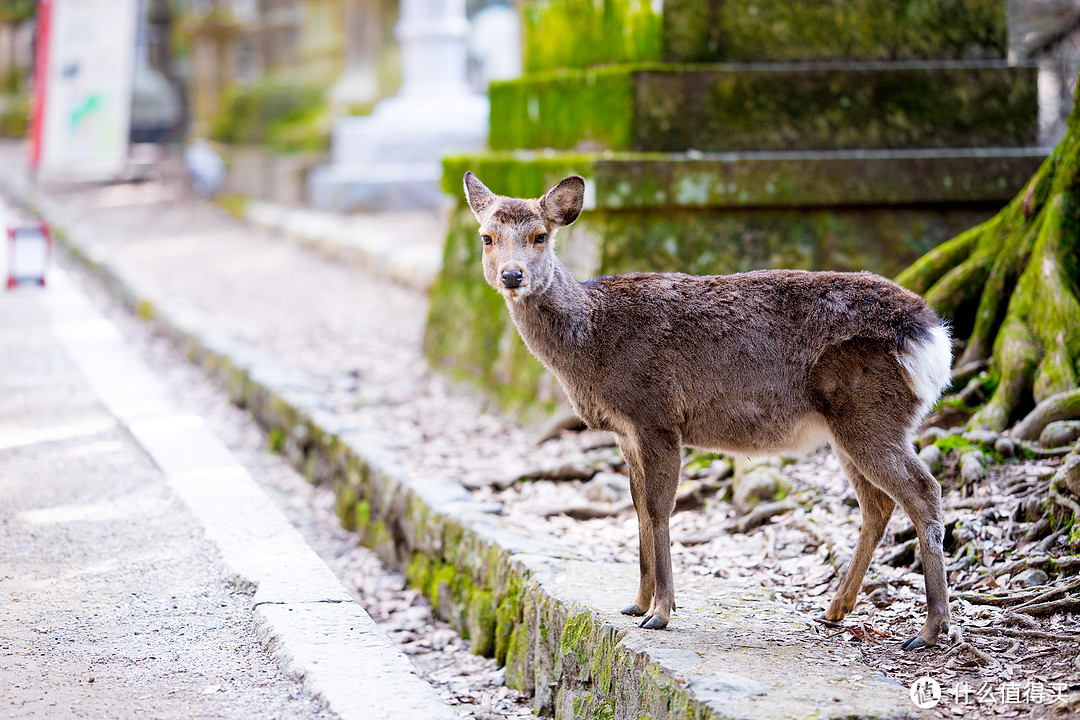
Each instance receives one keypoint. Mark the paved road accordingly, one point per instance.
(112, 602)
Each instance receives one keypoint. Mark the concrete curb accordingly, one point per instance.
(414, 266)
(304, 616)
(515, 597)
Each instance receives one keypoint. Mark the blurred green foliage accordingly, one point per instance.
(282, 114)
(16, 10)
(13, 111)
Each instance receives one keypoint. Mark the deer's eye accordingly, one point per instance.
(540, 238)
(487, 239)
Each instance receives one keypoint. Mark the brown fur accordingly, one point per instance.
(752, 363)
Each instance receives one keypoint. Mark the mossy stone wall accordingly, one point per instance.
(583, 33)
(751, 30)
(768, 107)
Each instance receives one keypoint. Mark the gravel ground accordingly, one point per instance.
(112, 603)
(360, 338)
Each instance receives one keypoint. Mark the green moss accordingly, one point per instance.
(482, 622)
(14, 109)
(576, 635)
(284, 114)
(578, 33)
(508, 617)
(643, 107)
(144, 310)
(749, 30)
(235, 205)
(516, 656)
(277, 439)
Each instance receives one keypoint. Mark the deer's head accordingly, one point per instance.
(518, 235)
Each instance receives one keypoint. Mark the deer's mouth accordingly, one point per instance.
(515, 292)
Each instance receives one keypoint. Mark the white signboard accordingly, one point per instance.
(86, 65)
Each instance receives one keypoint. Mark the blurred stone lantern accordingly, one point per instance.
(29, 248)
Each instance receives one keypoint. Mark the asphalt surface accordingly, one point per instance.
(113, 603)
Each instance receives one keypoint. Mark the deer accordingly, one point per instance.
(757, 363)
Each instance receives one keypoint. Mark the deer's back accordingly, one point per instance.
(735, 361)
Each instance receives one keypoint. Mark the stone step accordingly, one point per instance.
(808, 106)
(596, 32)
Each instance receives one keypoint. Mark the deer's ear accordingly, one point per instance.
(477, 195)
(562, 203)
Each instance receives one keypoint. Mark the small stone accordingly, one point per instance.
(1070, 470)
(1030, 578)
(1060, 433)
(931, 457)
(972, 469)
(602, 489)
(1005, 447)
(761, 483)
(930, 436)
(982, 436)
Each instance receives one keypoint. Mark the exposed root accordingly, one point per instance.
(1041, 452)
(984, 659)
(1065, 502)
(761, 515)
(1009, 568)
(1033, 634)
(1062, 406)
(1010, 286)
(1063, 605)
(1052, 592)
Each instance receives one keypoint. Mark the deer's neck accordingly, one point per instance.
(556, 322)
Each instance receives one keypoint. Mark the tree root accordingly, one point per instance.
(1009, 285)
(1063, 406)
(1062, 565)
(761, 515)
(1044, 596)
(983, 657)
(976, 598)
(1032, 634)
(1041, 452)
(1065, 502)
(1048, 608)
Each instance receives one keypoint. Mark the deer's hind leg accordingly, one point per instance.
(871, 412)
(877, 507)
(897, 470)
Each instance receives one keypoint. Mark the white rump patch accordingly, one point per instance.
(929, 367)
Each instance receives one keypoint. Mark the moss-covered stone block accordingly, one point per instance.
(583, 33)
(579, 33)
(780, 30)
(768, 107)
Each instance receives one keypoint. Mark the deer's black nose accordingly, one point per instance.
(511, 278)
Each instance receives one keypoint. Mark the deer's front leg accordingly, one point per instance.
(658, 460)
(646, 564)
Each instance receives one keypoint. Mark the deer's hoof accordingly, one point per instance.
(654, 622)
(632, 609)
(914, 643)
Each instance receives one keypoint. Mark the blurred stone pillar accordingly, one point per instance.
(391, 159)
(359, 82)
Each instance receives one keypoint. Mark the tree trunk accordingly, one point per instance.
(1010, 286)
